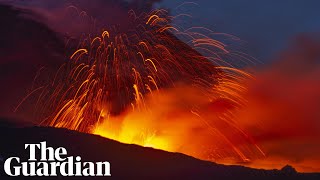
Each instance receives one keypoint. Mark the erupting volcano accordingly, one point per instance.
(146, 87)
(150, 82)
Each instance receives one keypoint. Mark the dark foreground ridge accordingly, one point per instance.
(128, 161)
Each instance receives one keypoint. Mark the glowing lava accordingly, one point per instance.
(145, 86)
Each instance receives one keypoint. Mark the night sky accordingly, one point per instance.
(267, 26)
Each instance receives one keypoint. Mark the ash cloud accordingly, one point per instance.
(27, 46)
(34, 41)
(283, 106)
(77, 17)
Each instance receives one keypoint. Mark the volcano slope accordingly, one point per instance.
(128, 161)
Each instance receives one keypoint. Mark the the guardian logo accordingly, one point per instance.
(53, 162)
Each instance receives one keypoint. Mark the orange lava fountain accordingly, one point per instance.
(147, 87)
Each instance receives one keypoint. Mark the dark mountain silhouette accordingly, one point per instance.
(130, 161)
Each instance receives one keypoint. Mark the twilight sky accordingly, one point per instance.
(267, 26)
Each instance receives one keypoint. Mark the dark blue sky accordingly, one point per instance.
(267, 26)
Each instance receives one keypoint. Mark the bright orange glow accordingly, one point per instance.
(160, 121)
(149, 88)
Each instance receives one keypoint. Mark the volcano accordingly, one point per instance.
(97, 88)
(129, 161)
